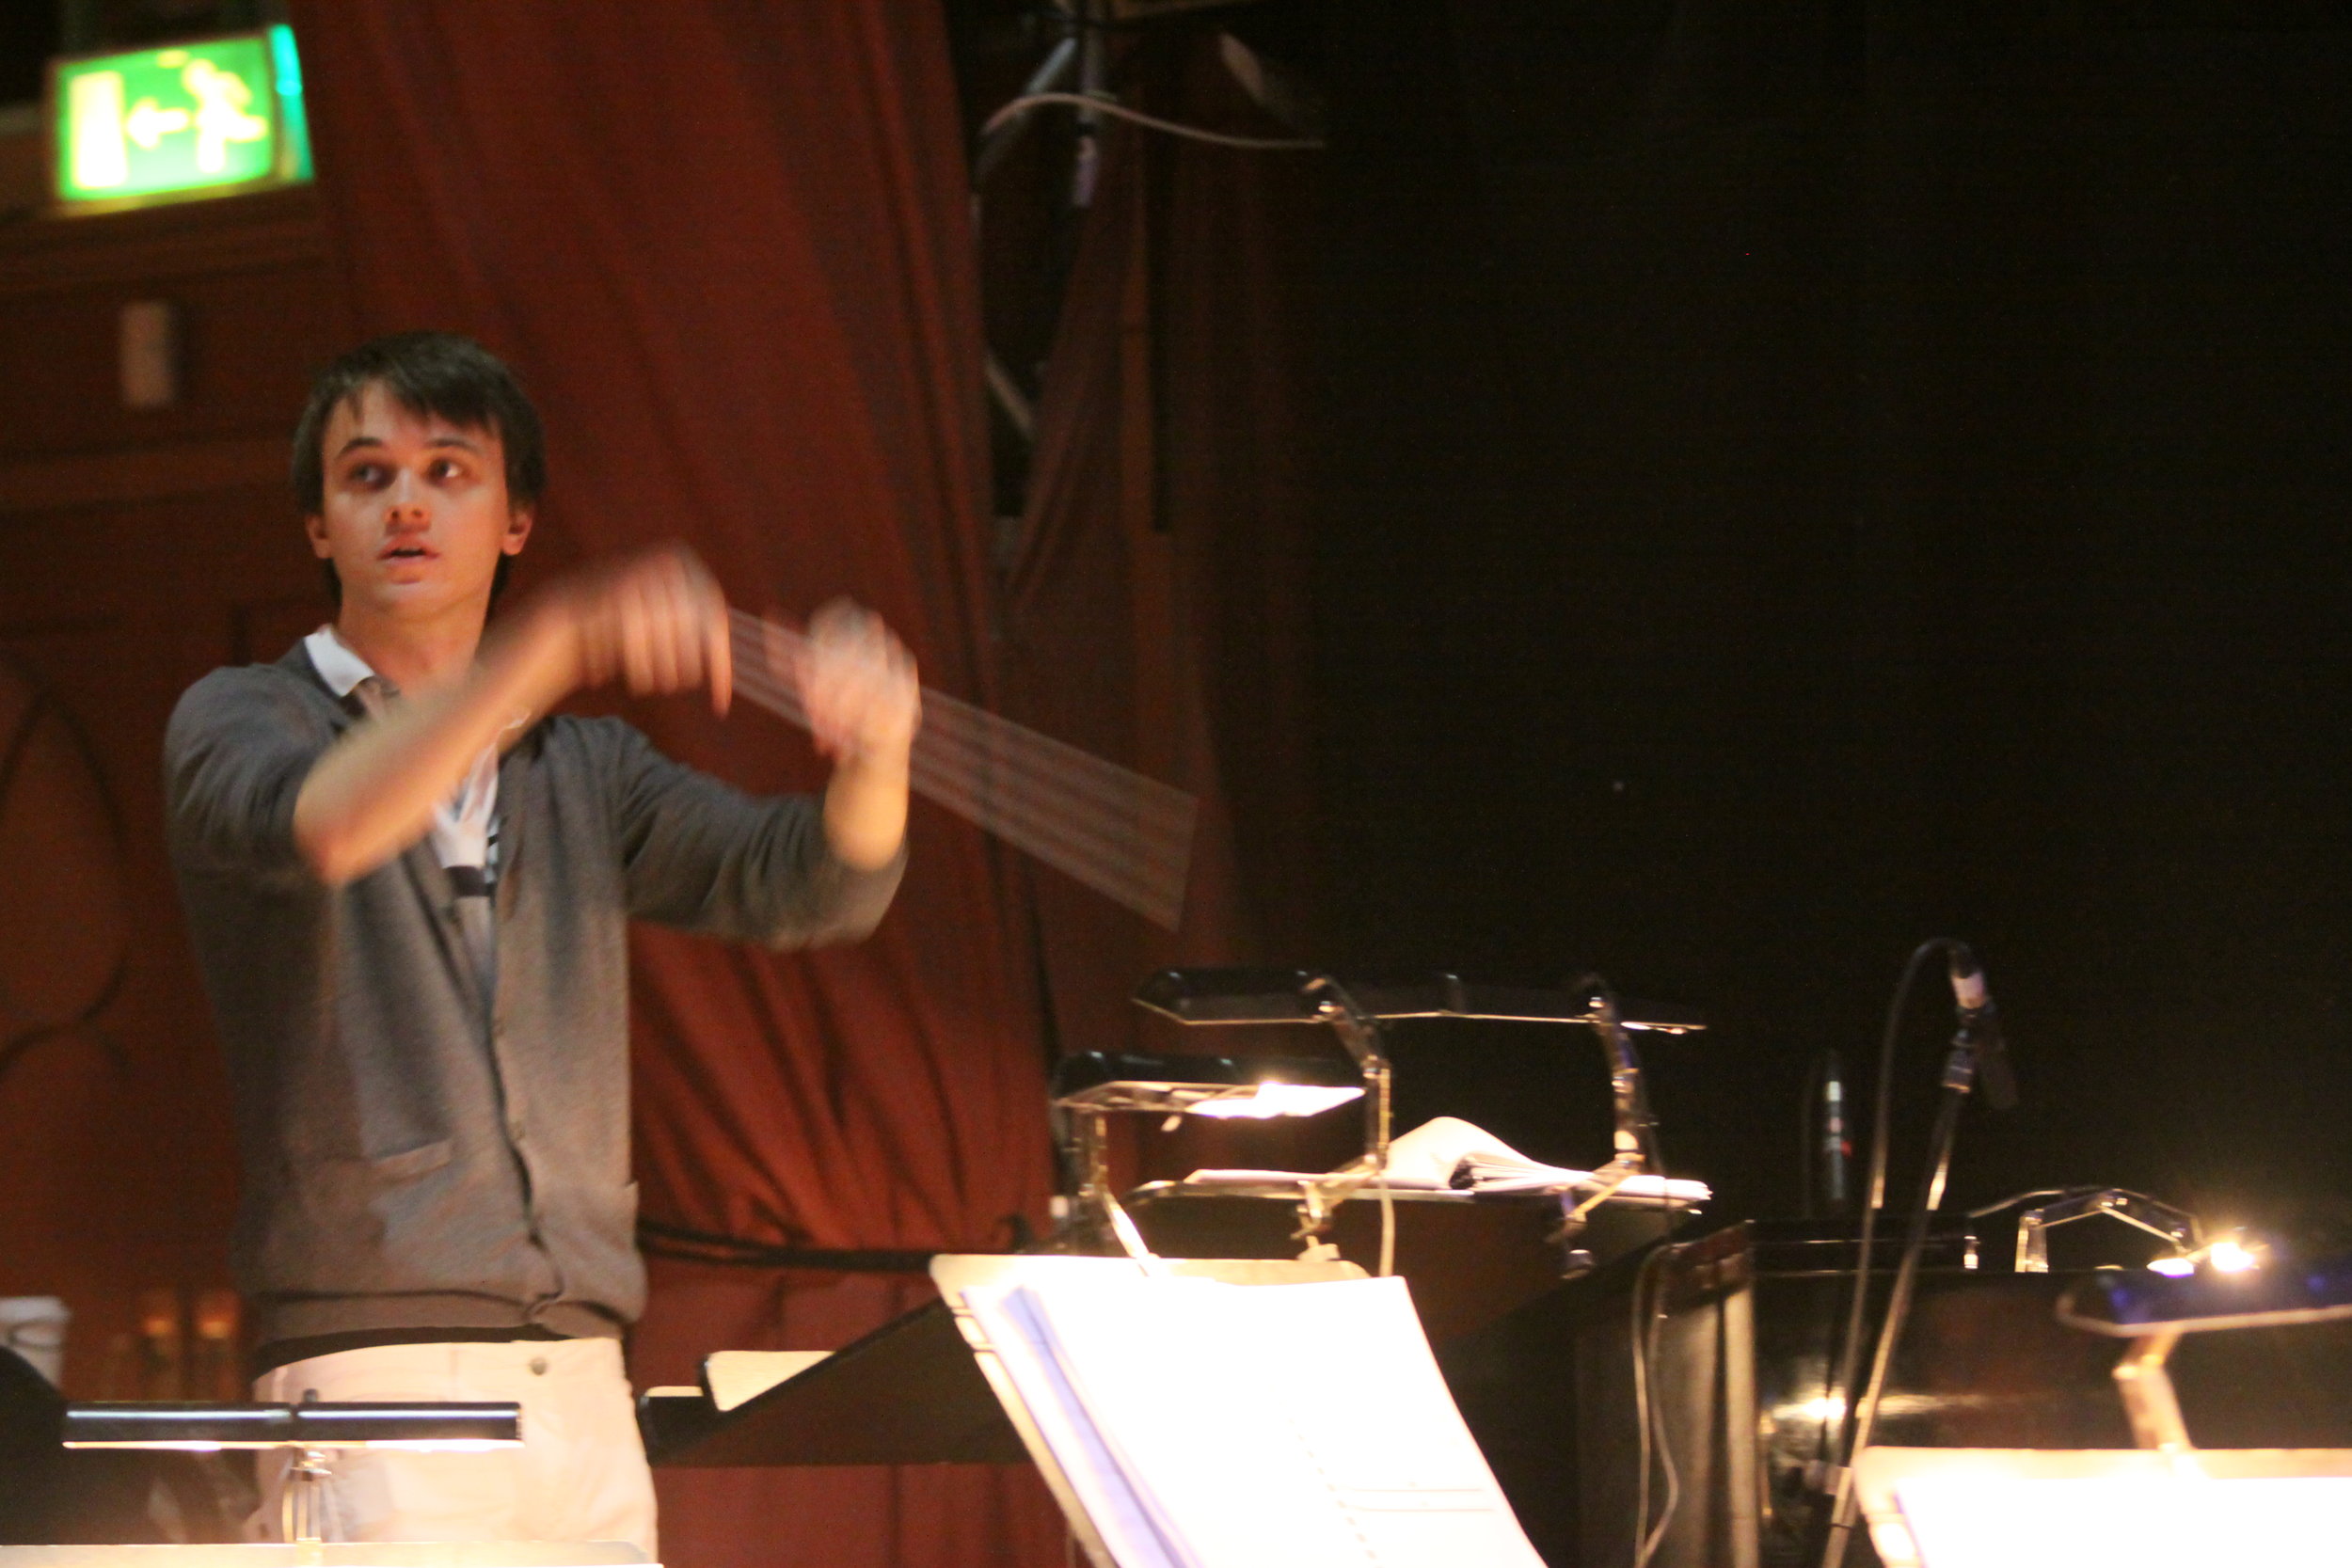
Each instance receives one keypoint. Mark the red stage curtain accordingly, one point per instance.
(1156, 610)
(726, 245)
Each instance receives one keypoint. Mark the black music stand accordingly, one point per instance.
(908, 1393)
(912, 1392)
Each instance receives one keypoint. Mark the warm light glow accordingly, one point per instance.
(1827, 1408)
(161, 1445)
(451, 1445)
(2148, 1521)
(2229, 1257)
(2176, 1268)
(1279, 1099)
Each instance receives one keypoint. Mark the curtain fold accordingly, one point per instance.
(1156, 608)
(725, 244)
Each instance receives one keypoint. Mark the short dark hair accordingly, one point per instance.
(441, 374)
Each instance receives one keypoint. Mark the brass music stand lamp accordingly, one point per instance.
(1091, 1087)
(2154, 1310)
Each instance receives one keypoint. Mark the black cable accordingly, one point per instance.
(1637, 1328)
(664, 1239)
(1596, 985)
(1649, 1317)
(1017, 108)
(1874, 1191)
(1648, 1314)
(1805, 1139)
(1957, 1079)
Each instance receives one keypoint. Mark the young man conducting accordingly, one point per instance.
(408, 887)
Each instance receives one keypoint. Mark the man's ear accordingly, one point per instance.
(315, 526)
(518, 522)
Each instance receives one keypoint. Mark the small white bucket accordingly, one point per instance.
(34, 1327)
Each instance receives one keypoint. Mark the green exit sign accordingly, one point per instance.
(211, 118)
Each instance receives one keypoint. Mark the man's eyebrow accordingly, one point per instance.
(365, 440)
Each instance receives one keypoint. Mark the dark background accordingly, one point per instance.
(1709, 492)
(1786, 481)
(1799, 480)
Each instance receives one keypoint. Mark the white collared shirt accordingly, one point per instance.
(462, 824)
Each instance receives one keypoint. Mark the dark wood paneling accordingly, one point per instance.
(251, 340)
(45, 483)
(137, 552)
(188, 240)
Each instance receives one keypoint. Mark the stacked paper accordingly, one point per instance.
(1207, 1425)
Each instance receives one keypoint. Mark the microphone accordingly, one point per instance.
(1981, 1025)
(1835, 1150)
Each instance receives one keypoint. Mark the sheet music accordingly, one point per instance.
(1447, 1150)
(1263, 1425)
(1069, 1429)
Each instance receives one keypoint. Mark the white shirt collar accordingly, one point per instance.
(463, 825)
(336, 665)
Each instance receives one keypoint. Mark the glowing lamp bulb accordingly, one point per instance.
(2173, 1268)
(2229, 1257)
(1279, 1099)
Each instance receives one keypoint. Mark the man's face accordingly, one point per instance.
(415, 512)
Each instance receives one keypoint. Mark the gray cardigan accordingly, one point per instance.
(413, 1160)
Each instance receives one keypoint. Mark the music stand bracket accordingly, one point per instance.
(1229, 996)
(2161, 1220)
(1357, 1013)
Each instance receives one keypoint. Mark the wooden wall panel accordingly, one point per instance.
(137, 552)
(243, 367)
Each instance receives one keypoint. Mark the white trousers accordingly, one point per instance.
(580, 1474)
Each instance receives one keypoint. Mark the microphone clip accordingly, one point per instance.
(1979, 1049)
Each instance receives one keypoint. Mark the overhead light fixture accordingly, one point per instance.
(1202, 1085)
(1280, 1100)
(1095, 1085)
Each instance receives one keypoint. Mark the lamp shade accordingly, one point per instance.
(2131, 1303)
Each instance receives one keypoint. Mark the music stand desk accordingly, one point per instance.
(2058, 1508)
(917, 1390)
(908, 1393)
